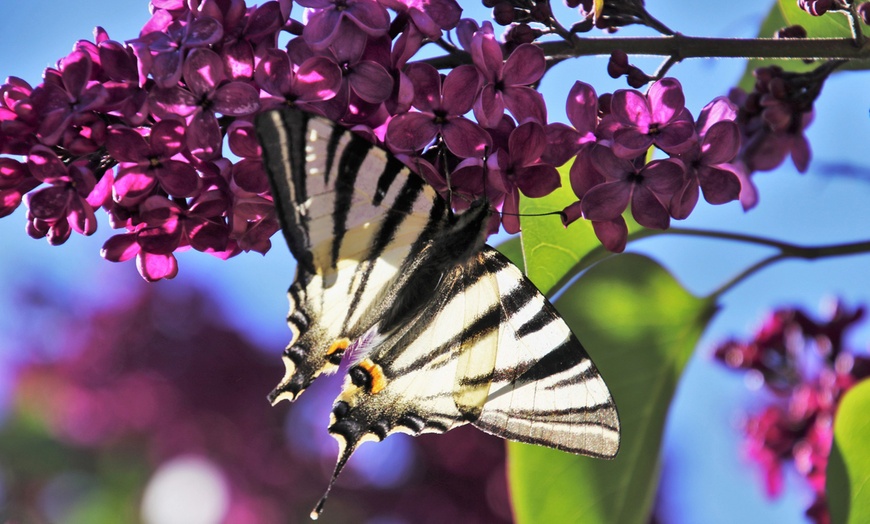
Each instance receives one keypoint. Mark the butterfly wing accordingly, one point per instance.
(489, 350)
(543, 388)
(353, 217)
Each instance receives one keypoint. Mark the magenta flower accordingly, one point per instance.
(520, 169)
(707, 162)
(170, 45)
(147, 162)
(65, 94)
(68, 203)
(325, 25)
(431, 17)
(315, 79)
(506, 82)
(441, 109)
(15, 181)
(206, 93)
(648, 187)
(564, 141)
(659, 117)
(166, 228)
(259, 27)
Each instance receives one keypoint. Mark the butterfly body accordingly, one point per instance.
(444, 330)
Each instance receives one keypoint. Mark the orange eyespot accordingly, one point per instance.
(378, 380)
(339, 345)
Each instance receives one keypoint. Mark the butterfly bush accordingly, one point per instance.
(807, 367)
(158, 130)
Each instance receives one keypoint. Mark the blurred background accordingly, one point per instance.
(123, 401)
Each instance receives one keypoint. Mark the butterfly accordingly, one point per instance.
(441, 329)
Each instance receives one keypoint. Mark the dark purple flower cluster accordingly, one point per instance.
(140, 128)
(612, 137)
(808, 368)
(772, 120)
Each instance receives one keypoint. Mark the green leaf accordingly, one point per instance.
(513, 249)
(848, 475)
(550, 250)
(640, 327)
(829, 25)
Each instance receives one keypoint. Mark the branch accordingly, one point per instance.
(681, 46)
(784, 250)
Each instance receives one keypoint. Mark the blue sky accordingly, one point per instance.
(705, 477)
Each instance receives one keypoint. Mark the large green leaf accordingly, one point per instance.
(785, 13)
(640, 327)
(551, 250)
(848, 475)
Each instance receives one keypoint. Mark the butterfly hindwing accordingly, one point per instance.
(488, 350)
(353, 217)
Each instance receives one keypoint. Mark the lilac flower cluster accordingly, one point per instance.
(140, 128)
(611, 168)
(772, 119)
(805, 364)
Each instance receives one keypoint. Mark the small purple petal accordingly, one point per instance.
(666, 99)
(154, 267)
(411, 132)
(120, 248)
(527, 143)
(464, 138)
(371, 82)
(203, 71)
(721, 143)
(460, 89)
(489, 107)
(720, 184)
(538, 180)
(487, 56)
(647, 210)
(167, 138)
(663, 177)
(606, 201)
(76, 70)
(582, 108)
(526, 65)
(427, 86)
(526, 104)
(613, 234)
(178, 179)
(203, 31)
(630, 108)
(236, 99)
(317, 78)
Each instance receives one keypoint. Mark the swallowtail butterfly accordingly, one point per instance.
(442, 329)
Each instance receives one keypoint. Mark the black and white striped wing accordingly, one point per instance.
(353, 217)
(489, 350)
(543, 388)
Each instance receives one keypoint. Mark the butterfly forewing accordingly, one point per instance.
(352, 216)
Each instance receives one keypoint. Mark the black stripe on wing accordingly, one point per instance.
(352, 157)
(283, 137)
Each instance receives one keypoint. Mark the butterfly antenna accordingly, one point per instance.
(443, 156)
